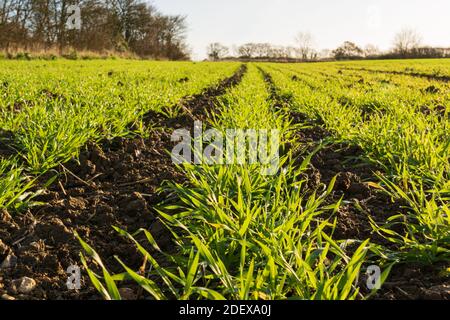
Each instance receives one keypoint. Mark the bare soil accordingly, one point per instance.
(114, 183)
(360, 198)
(407, 281)
(411, 74)
(6, 144)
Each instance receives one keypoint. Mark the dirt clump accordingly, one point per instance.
(110, 186)
(356, 185)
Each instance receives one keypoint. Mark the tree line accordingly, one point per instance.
(106, 25)
(406, 44)
(217, 51)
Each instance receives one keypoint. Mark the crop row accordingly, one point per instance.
(48, 111)
(411, 147)
(240, 234)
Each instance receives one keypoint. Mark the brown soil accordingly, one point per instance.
(353, 186)
(411, 74)
(415, 281)
(406, 281)
(440, 111)
(114, 183)
(278, 99)
(6, 144)
(345, 162)
(302, 80)
(196, 107)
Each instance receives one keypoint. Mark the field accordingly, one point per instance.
(358, 207)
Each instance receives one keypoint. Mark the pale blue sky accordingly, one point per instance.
(331, 22)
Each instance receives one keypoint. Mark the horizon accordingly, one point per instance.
(330, 23)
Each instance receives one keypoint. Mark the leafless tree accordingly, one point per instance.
(305, 44)
(261, 50)
(247, 50)
(371, 50)
(406, 41)
(217, 51)
(121, 25)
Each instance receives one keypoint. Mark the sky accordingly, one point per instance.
(331, 22)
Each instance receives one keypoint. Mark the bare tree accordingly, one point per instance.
(262, 50)
(217, 51)
(305, 43)
(247, 50)
(120, 25)
(406, 41)
(13, 23)
(371, 50)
